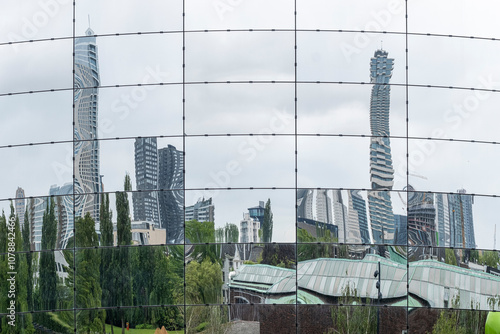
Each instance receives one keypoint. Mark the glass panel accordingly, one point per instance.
(378, 15)
(424, 320)
(34, 168)
(240, 108)
(204, 275)
(36, 20)
(447, 166)
(241, 274)
(127, 276)
(345, 109)
(347, 160)
(453, 113)
(42, 117)
(348, 274)
(268, 276)
(140, 111)
(241, 162)
(103, 17)
(52, 273)
(351, 216)
(255, 14)
(241, 214)
(119, 157)
(464, 18)
(351, 319)
(244, 56)
(329, 56)
(148, 59)
(454, 278)
(451, 219)
(456, 62)
(50, 69)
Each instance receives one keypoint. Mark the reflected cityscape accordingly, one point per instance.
(154, 256)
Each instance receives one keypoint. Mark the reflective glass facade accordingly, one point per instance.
(284, 166)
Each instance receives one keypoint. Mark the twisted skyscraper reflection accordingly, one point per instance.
(87, 183)
(381, 170)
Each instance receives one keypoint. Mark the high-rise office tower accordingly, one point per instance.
(421, 218)
(323, 207)
(36, 210)
(20, 205)
(87, 181)
(401, 233)
(442, 220)
(461, 222)
(171, 198)
(305, 203)
(468, 223)
(340, 216)
(146, 207)
(203, 211)
(381, 170)
(357, 222)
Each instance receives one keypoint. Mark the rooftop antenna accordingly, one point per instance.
(381, 43)
(89, 20)
(495, 238)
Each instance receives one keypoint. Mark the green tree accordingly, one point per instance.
(143, 266)
(200, 233)
(47, 273)
(228, 233)
(88, 289)
(167, 289)
(308, 247)
(107, 266)
(490, 258)
(203, 282)
(123, 278)
(474, 255)
(11, 242)
(448, 323)
(231, 233)
(450, 257)
(29, 259)
(353, 319)
(280, 255)
(267, 224)
(26, 325)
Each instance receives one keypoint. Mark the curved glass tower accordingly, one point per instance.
(87, 183)
(381, 170)
(171, 200)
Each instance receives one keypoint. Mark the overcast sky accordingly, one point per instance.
(258, 108)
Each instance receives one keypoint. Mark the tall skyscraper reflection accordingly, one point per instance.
(171, 199)
(87, 182)
(421, 218)
(146, 178)
(381, 170)
(20, 205)
(357, 221)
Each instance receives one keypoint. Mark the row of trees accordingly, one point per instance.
(109, 276)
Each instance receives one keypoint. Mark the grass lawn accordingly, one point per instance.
(118, 330)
